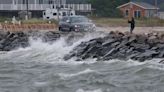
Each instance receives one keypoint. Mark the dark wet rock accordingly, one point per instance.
(161, 54)
(149, 54)
(50, 36)
(140, 47)
(160, 46)
(91, 52)
(132, 39)
(141, 39)
(117, 45)
(161, 61)
(13, 40)
(108, 42)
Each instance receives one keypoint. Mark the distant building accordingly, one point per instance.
(11, 8)
(161, 15)
(138, 10)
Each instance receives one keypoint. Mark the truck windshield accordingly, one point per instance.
(79, 19)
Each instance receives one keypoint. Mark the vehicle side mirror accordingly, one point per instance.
(68, 21)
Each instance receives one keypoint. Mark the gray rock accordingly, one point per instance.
(162, 61)
(132, 39)
(149, 54)
(115, 44)
(154, 48)
(140, 46)
(159, 46)
(110, 52)
(108, 42)
(130, 50)
(141, 39)
(161, 54)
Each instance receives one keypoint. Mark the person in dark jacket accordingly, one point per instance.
(132, 25)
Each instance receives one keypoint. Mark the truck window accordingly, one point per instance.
(64, 19)
(64, 14)
(54, 14)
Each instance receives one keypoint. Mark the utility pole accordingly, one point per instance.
(156, 5)
(130, 11)
(58, 9)
(27, 10)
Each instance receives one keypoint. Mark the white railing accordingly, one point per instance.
(32, 7)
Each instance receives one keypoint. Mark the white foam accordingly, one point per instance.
(127, 63)
(131, 62)
(41, 84)
(81, 90)
(154, 64)
(63, 76)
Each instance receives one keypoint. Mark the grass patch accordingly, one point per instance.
(110, 21)
(114, 22)
(30, 21)
(38, 21)
(3, 19)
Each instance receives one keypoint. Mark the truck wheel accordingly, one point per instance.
(71, 29)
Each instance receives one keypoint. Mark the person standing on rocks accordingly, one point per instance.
(132, 25)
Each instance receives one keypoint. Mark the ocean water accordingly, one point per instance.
(41, 68)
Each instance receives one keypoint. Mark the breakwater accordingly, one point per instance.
(117, 45)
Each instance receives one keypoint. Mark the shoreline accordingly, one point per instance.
(115, 45)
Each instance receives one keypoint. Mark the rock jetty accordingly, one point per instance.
(124, 46)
